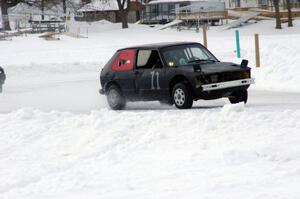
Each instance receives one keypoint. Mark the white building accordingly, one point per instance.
(163, 11)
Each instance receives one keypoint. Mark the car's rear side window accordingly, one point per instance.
(124, 61)
(147, 59)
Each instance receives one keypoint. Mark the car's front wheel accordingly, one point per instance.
(182, 96)
(115, 98)
(239, 96)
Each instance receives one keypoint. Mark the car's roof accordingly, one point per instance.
(159, 45)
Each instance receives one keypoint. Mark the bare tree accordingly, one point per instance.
(5, 21)
(290, 18)
(123, 12)
(64, 8)
(43, 8)
(277, 14)
(5, 4)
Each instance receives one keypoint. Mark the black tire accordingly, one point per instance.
(182, 96)
(239, 96)
(115, 98)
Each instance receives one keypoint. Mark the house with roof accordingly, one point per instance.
(108, 10)
(245, 3)
(164, 11)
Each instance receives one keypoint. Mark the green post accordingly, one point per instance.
(237, 40)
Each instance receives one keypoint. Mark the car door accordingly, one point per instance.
(150, 75)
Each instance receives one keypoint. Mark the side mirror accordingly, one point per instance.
(244, 63)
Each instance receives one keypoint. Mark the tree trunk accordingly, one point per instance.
(123, 12)
(123, 15)
(65, 9)
(290, 19)
(65, 6)
(42, 8)
(5, 20)
(277, 14)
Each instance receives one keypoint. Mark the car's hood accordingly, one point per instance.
(220, 67)
(214, 67)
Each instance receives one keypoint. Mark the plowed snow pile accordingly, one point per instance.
(230, 152)
(59, 140)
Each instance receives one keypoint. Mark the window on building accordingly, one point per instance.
(171, 8)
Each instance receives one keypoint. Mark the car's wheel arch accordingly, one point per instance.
(179, 79)
(110, 83)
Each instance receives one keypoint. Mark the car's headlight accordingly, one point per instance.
(245, 74)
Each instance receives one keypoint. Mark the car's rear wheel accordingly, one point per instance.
(239, 96)
(182, 96)
(115, 98)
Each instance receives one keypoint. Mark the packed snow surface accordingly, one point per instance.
(229, 152)
(60, 140)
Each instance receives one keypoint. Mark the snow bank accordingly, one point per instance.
(91, 27)
(227, 108)
(280, 70)
(219, 153)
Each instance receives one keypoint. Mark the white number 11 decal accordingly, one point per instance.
(157, 80)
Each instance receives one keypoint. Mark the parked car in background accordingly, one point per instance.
(172, 73)
(2, 78)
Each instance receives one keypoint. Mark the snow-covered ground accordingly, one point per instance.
(58, 139)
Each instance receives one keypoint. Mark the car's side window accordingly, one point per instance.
(148, 59)
(124, 61)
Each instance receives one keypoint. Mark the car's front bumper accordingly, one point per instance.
(228, 84)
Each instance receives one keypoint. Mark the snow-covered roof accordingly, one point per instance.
(23, 8)
(100, 5)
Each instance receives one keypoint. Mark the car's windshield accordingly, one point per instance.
(187, 55)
